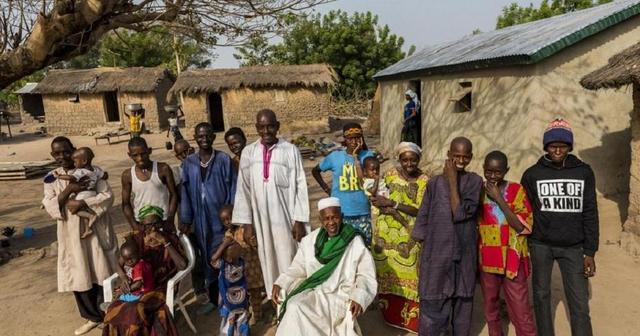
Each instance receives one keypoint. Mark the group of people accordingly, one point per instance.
(413, 244)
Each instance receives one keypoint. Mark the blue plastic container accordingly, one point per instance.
(28, 232)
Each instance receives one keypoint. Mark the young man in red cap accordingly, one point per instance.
(562, 191)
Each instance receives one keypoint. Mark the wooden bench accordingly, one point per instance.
(109, 136)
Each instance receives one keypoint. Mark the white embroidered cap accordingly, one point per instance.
(328, 203)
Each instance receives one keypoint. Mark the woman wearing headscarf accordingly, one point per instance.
(411, 117)
(344, 184)
(395, 253)
(149, 315)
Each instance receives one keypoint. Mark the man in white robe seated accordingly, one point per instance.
(331, 281)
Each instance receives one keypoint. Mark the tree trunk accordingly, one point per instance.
(71, 29)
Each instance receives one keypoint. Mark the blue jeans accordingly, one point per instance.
(576, 287)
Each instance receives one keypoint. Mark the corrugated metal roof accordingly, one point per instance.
(522, 44)
(27, 88)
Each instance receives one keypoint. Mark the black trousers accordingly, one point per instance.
(89, 303)
(576, 287)
(197, 274)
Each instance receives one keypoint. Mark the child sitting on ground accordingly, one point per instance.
(251, 264)
(82, 158)
(139, 272)
(373, 185)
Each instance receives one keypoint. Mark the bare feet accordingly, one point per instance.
(86, 233)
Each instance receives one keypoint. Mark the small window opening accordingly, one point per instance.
(463, 97)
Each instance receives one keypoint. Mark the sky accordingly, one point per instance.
(419, 22)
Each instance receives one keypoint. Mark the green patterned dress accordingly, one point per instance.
(396, 255)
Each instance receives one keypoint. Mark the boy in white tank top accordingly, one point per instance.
(147, 183)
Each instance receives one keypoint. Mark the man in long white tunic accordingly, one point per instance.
(272, 195)
(331, 281)
(83, 263)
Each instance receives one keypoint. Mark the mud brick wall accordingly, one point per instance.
(64, 117)
(299, 110)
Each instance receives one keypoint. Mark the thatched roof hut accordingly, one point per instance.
(283, 76)
(77, 101)
(299, 94)
(100, 80)
(623, 69)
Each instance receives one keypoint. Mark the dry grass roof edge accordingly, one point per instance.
(97, 80)
(193, 82)
(622, 69)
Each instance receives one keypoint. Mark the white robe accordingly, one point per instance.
(272, 205)
(324, 310)
(83, 262)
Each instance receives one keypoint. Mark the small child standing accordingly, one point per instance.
(82, 161)
(139, 272)
(232, 283)
(250, 264)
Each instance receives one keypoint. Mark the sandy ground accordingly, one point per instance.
(31, 305)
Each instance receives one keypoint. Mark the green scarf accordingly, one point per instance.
(329, 253)
(149, 210)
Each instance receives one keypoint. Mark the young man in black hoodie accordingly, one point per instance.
(565, 213)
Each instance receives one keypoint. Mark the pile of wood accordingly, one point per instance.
(24, 170)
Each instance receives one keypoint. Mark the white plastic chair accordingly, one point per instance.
(172, 298)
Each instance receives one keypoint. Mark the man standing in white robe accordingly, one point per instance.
(271, 197)
(83, 263)
(331, 281)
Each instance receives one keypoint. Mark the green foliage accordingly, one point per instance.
(86, 61)
(354, 45)
(149, 49)
(8, 96)
(515, 14)
(256, 52)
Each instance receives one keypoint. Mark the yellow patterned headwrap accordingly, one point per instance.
(353, 132)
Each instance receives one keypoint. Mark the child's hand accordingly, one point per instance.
(214, 261)
(492, 190)
(233, 253)
(227, 240)
(450, 171)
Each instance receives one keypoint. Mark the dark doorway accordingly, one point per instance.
(32, 104)
(111, 105)
(216, 117)
(416, 86)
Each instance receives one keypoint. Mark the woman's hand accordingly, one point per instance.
(124, 284)
(154, 238)
(358, 146)
(74, 206)
(379, 201)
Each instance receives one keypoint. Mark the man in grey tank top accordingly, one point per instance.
(147, 182)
